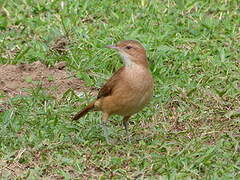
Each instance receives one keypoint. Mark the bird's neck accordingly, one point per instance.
(131, 62)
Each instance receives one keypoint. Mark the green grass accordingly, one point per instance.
(189, 131)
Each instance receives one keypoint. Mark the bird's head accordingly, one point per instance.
(132, 52)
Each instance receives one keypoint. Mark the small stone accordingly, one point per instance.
(61, 65)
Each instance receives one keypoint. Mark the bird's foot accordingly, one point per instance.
(106, 133)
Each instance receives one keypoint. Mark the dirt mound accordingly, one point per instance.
(15, 79)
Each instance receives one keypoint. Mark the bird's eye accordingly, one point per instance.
(128, 47)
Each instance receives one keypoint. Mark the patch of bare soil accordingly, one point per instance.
(15, 79)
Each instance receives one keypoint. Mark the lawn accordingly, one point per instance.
(190, 130)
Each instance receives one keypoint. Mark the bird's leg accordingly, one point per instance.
(104, 126)
(125, 124)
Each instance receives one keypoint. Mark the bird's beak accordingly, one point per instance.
(112, 46)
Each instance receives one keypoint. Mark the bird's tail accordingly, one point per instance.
(84, 111)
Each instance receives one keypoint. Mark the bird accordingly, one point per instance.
(128, 90)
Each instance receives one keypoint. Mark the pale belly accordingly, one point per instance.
(135, 100)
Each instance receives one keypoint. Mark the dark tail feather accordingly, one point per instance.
(83, 112)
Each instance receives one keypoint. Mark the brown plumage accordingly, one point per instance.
(106, 90)
(128, 90)
(84, 111)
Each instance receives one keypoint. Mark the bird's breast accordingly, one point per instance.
(138, 77)
(139, 89)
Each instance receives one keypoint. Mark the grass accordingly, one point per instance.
(189, 131)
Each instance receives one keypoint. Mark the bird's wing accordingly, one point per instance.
(106, 90)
